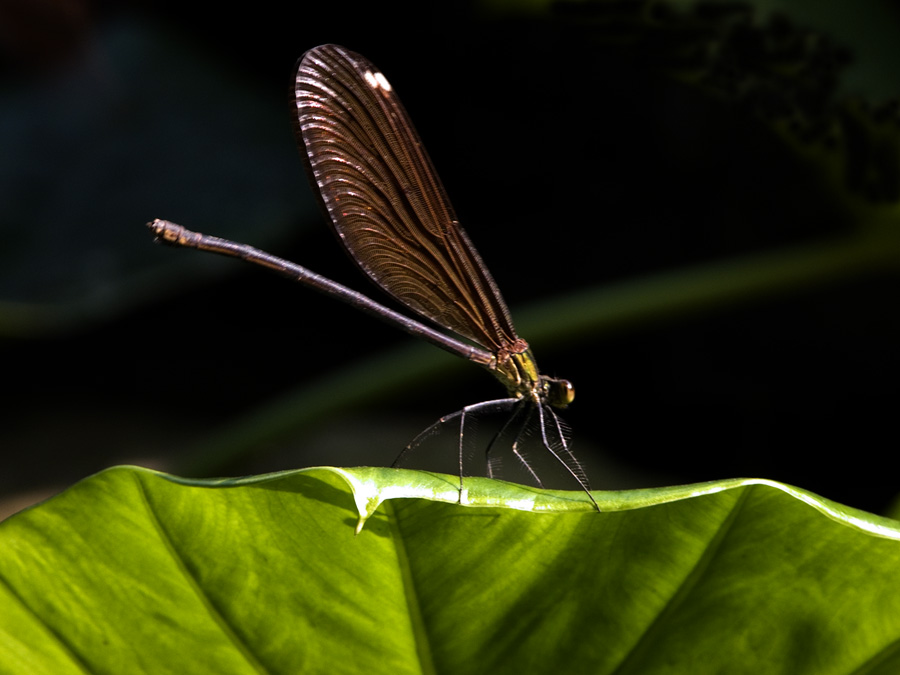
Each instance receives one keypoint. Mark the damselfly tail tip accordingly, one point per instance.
(159, 227)
(167, 232)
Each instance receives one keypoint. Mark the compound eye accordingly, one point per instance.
(560, 393)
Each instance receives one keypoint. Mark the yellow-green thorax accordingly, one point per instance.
(518, 371)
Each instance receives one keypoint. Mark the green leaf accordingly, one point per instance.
(135, 571)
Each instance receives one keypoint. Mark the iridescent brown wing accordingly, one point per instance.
(385, 200)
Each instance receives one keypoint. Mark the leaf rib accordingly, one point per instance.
(63, 644)
(642, 647)
(191, 580)
(417, 620)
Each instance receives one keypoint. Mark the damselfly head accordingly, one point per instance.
(557, 392)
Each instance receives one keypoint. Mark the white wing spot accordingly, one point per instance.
(377, 80)
(382, 80)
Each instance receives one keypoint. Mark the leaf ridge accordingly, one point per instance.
(876, 663)
(82, 666)
(417, 621)
(641, 647)
(191, 581)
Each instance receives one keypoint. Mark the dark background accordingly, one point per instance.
(573, 162)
